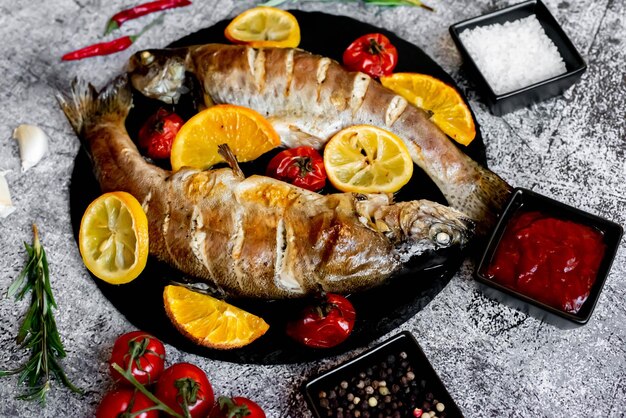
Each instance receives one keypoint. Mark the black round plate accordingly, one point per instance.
(379, 311)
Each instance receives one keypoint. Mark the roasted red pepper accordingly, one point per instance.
(325, 324)
(110, 47)
(372, 54)
(301, 166)
(143, 9)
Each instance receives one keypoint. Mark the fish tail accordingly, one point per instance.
(84, 106)
(492, 192)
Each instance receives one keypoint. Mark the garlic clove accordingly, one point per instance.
(33, 143)
(6, 206)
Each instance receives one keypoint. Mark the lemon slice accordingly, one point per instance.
(263, 27)
(209, 321)
(448, 109)
(367, 159)
(247, 133)
(113, 238)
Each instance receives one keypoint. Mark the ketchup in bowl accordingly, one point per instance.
(551, 260)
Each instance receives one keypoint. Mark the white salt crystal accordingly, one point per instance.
(513, 55)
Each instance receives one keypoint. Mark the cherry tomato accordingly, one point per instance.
(372, 54)
(237, 407)
(325, 324)
(147, 354)
(301, 166)
(158, 132)
(116, 402)
(185, 383)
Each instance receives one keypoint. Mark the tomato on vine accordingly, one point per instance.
(236, 407)
(184, 385)
(141, 354)
(125, 402)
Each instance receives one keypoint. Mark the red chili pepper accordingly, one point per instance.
(372, 54)
(110, 47)
(143, 9)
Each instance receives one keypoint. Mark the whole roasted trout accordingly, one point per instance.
(256, 236)
(308, 98)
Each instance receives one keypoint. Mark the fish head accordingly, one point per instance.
(159, 73)
(417, 226)
(434, 226)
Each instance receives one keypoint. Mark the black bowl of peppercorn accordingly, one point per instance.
(391, 380)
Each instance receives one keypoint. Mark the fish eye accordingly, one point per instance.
(443, 238)
(146, 58)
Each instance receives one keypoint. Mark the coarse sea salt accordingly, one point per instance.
(513, 55)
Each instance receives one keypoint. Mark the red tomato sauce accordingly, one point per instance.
(548, 259)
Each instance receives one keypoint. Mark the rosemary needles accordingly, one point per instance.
(38, 331)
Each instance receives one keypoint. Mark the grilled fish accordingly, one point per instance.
(256, 236)
(308, 98)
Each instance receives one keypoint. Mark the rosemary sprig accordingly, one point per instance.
(384, 3)
(38, 331)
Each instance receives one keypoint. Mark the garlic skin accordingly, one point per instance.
(6, 206)
(33, 143)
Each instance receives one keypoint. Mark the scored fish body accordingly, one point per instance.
(308, 98)
(256, 236)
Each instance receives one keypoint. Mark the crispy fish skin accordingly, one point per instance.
(308, 98)
(257, 236)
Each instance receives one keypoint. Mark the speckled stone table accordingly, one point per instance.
(495, 361)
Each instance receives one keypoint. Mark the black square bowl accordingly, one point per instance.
(527, 200)
(425, 380)
(500, 104)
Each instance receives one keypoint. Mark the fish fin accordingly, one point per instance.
(83, 105)
(227, 154)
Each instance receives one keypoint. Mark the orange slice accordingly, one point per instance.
(367, 159)
(113, 238)
(247, 133)
(263, 27)
(446, 105)
(209, 321)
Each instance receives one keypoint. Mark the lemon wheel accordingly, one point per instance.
(367, 159)
(209, 321)
(448, 109)
(263, 27)
(113, 238)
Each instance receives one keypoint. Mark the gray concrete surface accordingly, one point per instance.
(495, 361)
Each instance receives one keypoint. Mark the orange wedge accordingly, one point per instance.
(263, 27)
(113, 238)
(247, 133)
(446, 105)
(367, 159)
(209, 321)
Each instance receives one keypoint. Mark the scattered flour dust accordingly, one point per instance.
(513, 55)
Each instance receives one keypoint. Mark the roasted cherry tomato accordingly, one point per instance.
(372, 54)
(301, 166)
(143, 353)
(117, 402)
(157, 134)
(237, 407)
(186, 384)
(325, 324)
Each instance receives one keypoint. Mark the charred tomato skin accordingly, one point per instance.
(236, 407)
(301, 166)
(325, 324)
(372, 54)
(183, 374)
(148, 363)
(117, 402)
(158, 133)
